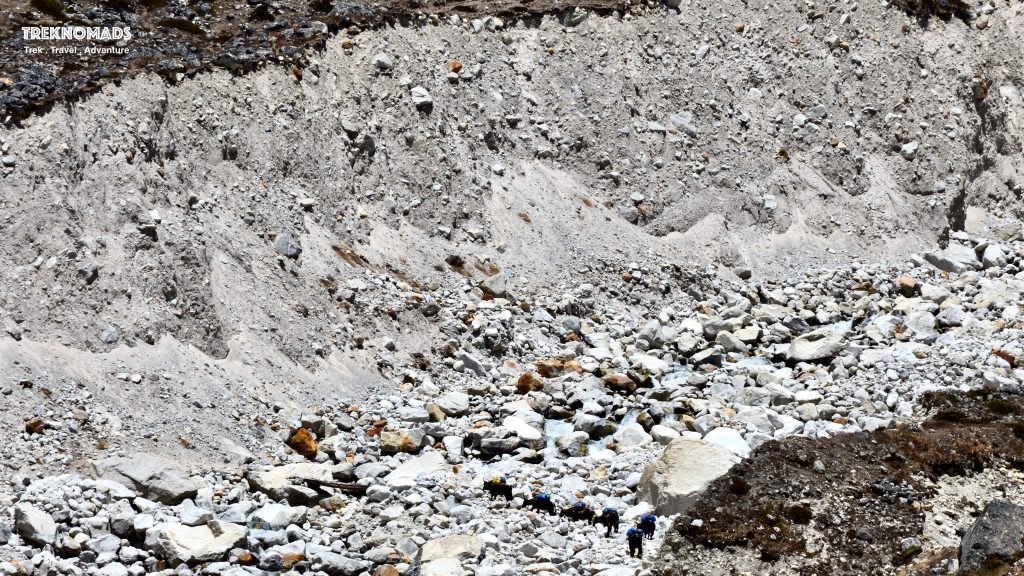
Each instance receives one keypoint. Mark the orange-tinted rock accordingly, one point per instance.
(386, 570)
(303, 443)
(289, 560)
(907, 285)
(454, 66)
(529, 382)
(377, 427)
(620, 383)
(35, 425)
(550, 368)
(333, 503)
(435, 412)
(402, 440)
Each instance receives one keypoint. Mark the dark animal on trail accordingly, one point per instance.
(578, 512)
(498, 488)
(647, 523)
(635, 540)
(541, 504)
(610, 519)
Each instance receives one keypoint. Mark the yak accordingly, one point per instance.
(499, 488)
(610, 519)
(578, 512)
(540, 504)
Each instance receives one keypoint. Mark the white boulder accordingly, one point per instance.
(729, 439)
(817, 346)
(180, 544)
(685, 468)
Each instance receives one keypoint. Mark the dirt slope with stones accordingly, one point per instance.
(738, 136)
(796, 404)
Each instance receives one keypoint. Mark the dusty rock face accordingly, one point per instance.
(180, 544)
(185, 236)
(995, 541)
(412, 469)
(955, 258)
(275, 516)
(34, 525)
(150, 476)
(461, 547)
(402, 440)
(685, 468)
(819, 345)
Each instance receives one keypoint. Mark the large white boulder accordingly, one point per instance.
(651, 364)
(684, 470)
(442, 567)
(663, 434)
(280, 477)
(149, 476)
(573, 444)
(956, 258)
(180, 544)
(274, 516)
(527, 434)
(758, 418)
(288, 482)
(457, 546)
(920, 326)
(817, 346)
(409, 471)
(631, 436)
(34, 525)
(454, 403)
(730, 439)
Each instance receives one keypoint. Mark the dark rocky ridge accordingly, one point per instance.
(860, 493)
(175, 38)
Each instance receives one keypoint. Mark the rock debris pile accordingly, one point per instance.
(291, 321)
(592, 402)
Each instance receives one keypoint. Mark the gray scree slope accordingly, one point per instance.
(143, 228)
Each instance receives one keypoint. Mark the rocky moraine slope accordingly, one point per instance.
(755, 268)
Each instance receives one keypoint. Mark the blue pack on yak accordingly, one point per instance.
(647, 524)
(635, 541)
